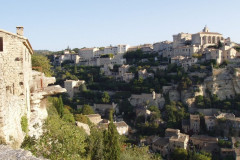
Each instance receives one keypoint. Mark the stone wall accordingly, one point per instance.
(21, 91)
(15, 75)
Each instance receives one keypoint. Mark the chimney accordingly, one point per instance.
(20, 31)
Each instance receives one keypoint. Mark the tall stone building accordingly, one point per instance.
(21, 91)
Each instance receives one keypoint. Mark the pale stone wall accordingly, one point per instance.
(21, 90)
(15, 73)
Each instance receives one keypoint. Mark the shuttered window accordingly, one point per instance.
(1, 44)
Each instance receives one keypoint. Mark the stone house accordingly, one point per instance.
(88, 53)
(72, 86)
(210, 122)
(123, 73)
(142, 111)
(144, 74)
(180, 39)
(21, 90)
(169, 132)
(188, 62)
(195, 123)
(147, 99)
(179, 141)
(106, 69)
(103, 108)
(59, 59)
(220, 55)
(185, 125)
(94, 118)
(204, 142)
(161, 145)
(186, 51)
(121, 127)
(177, 59)
(160, 47)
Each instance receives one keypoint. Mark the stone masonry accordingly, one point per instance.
(20, 92)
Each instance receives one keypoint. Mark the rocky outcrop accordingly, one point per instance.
(7, 153)
(39, 90)
(224, 82)
(84, 126)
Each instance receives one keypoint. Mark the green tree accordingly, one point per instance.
(111, 141)
(68, 116)
(61, 139)
(82, 88)
(95, 144)
(156, 110)
(86, 110)
(81, 118)
(105, 97)
(180, 154)
(43, 62)
(75, 69)
(58, 104)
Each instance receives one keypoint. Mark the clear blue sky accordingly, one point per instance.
(55, 24)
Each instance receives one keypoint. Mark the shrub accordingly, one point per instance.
(24, 124)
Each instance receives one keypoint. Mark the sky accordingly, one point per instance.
(56, 24)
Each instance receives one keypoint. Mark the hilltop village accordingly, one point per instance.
(175, 99)
(173, 94)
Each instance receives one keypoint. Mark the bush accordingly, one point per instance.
(61, 139)
(24, 124)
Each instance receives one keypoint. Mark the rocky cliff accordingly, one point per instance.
(7, 153)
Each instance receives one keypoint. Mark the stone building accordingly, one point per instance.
(195, 123)
(161, 47)
(102, 109)
(161, 145)
(123, 73)
(206, 38)
(121, 127)
(205, 143)
(59, 59)
(21, 89)
(144, 74)
(173, 139)
(180, 39)
(210, 122)
(87, 53)
(185, 125)
(179, 141)
(147, 99)
(94, 118)
(72, 86)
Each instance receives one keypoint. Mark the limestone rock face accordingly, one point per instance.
(39, 90)
(224, 82)
(84, 126)
(7, 153)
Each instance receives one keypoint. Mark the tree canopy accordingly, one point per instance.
(43, 62)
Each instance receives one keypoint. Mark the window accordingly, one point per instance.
(1, 44)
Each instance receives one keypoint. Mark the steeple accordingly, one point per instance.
(205, 29)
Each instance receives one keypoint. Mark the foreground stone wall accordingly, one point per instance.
(15, 75)
(22, 91)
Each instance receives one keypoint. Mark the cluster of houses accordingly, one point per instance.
(185, 49)
(97, 120)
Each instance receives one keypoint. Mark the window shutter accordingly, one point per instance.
(1, 44)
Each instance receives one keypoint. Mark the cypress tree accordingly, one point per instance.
(75, 69)
(60, 107)
(111, 140)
